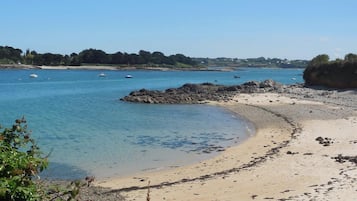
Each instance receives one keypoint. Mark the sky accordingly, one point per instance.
(292, 29)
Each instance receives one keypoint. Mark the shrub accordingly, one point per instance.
(20, 162)
(336, 74)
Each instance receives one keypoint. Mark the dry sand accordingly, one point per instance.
(285, 160)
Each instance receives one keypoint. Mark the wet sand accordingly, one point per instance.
(304, 149)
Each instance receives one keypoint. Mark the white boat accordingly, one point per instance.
(128, 76)
(33, 75)
(102, 75)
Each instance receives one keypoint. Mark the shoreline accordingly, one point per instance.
(284, 123)
(127, 68)
(102, 67)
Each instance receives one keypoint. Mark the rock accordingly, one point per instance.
(252, 84)
(267, 83)
(324, 141)
(342, 159)
(198, 93)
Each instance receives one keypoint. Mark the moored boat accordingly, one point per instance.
(33, 75)
(102, 75)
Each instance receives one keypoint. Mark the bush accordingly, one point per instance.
(335, 74)
(20, 162)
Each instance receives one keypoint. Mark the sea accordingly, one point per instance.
(79, 122)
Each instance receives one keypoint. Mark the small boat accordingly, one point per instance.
(128, 76)
(33, 75)
(102, 75)
(236, 76)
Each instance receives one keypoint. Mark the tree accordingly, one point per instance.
(319, 60)
(180, 58)
(66, 60)
(351, 58)
(117, 58)
(10, 53)
(93, 56)
(145, 56)
(29, 56)
(50, 59)
(157, 58)
(37, 59)
(74, 60)
(336, 74)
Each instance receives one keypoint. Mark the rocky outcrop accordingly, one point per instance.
(337, 74)
(199, 93)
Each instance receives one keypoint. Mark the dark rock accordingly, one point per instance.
(252, 84)
(291, 153)
(319, 139)
(198, 93)
(324, 141)
(342, 159)
(267, 83)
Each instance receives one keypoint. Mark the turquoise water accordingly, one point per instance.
(77, 117)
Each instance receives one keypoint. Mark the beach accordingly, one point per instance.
(304, 148)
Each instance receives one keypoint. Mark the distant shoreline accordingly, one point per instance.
(123, 68)
(99, 67)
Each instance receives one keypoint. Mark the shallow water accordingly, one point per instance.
(77, 117)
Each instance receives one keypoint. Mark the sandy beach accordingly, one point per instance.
(304, 149)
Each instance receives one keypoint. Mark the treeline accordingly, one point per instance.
(252, 62)
(93, 57)
(337, 73)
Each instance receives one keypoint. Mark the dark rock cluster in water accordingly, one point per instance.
(199, 93)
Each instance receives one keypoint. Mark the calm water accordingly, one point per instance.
(77, 117)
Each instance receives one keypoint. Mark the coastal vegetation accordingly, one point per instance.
(10, 55)
(93, 57)
(337, 73)
(21, 162)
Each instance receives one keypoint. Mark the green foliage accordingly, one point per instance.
(11, 54)
(336, 74)
(20, 162)
(319, 60)
(93, 56)
(351, 57)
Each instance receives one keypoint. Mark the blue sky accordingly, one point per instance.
(293, 29)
